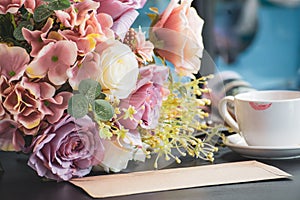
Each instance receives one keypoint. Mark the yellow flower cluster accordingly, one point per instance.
(182, 117)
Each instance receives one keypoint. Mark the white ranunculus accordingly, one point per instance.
(119, 68)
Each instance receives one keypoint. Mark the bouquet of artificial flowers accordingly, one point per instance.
(80, 87)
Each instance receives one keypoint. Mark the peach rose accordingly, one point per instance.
(177, 37)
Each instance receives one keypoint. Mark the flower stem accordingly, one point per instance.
(13, 21)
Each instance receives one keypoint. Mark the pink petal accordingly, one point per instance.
(54, 59)
(122, 25)
(37, 39)
(40, 90)
(105, 20)
(88, 69)
(55, 107)
(38, 68)
(14, 64)
(30, 118)
(10, 138)
(67, 52)
(12, 102)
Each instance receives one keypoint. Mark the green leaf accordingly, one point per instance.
(101, 96)
(18, 31)
(59, 4)
(6, 27)
(103, 110)
(78, 106)
(90, 89)
(42, 13)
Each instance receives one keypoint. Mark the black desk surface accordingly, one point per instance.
(20, 182)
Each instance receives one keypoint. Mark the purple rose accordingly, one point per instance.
(68, 148)
(123, 12)
(147, 98)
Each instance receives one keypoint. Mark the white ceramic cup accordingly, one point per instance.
(264, 118)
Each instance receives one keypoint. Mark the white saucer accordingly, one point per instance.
(237, 144)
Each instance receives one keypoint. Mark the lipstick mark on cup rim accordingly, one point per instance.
(260, 105)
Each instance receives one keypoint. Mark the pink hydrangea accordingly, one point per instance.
(85, 27)
(23, 106)
(4, 85)
(38, 38)
(88, 69)
(15, 62)
(11, 138)
(31, 104)
(10, 6)
(76, 14)
(53, 60)
(52, 105)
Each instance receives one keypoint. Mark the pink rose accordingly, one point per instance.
(177, 37)
(123, 12)
(147, 98)
(10, 6)
(67, 149)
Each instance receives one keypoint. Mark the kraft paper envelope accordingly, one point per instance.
(178, 178)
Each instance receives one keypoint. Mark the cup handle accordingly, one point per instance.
(223, 110)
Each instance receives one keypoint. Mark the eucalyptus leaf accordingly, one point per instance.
(103, 110)
(91, 89)
(42, 13)
(78, 106)
(18, 31)
(59, 4)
